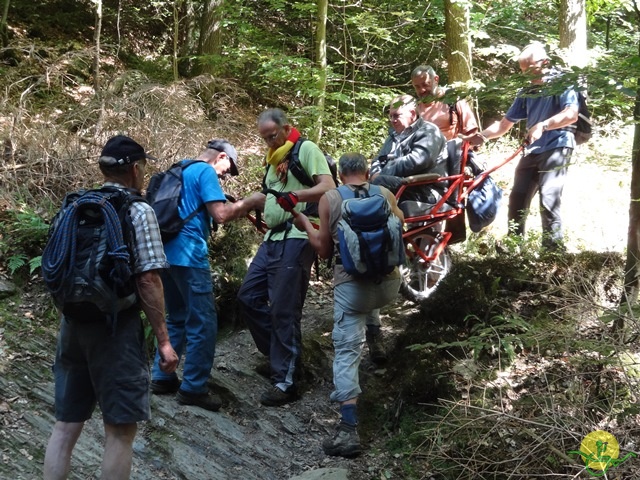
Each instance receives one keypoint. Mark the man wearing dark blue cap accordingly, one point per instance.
(188, 290)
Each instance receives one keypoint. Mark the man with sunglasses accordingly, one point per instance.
(543, 169)
(273, 291)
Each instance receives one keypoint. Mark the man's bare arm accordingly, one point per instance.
(223, 212)
(151, 294)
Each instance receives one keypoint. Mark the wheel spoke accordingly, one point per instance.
(420, 277)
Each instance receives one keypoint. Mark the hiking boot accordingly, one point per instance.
(344, 443)
(377, 353)
(163, 387)
(274, 397)
(206, 400)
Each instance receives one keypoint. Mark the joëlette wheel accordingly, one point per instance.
(419, 277)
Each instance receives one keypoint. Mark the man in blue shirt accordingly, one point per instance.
(192, 320)
(544, 167)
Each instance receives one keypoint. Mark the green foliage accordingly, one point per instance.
(22, 238)
(500, 336)
(372, 47)
(17, 261)
(531, 371)
(156, 69)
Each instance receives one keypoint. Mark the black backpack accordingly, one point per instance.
(86, 263)
(296, 169)
(164, 193)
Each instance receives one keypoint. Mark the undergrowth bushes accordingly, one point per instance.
(509, 365)
(53, 129)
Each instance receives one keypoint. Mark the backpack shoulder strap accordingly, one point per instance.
(295, 166)
(453, 111)
(295, 151)
(264, 178)
(187, 163)
(344, 191)
(358, 191)
(375, 189)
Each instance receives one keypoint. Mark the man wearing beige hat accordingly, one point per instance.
(188, 290)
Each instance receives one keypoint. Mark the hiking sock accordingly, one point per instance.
(349, 415)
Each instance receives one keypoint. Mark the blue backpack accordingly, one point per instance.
(369, 233)
(483, 201)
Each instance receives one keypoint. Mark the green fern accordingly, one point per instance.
(35, 263)
(16, 261)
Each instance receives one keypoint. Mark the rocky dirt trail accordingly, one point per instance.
(244, 440)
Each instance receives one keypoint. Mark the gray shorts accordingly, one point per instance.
(93, 366)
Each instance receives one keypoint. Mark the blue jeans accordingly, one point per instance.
(271, 299)
(544, 172)
(354, 303)
(192, 322)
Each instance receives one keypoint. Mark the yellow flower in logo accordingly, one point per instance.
(601, 449)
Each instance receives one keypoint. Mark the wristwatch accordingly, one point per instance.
(545, 126)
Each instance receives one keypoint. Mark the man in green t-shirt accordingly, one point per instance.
(273, 291)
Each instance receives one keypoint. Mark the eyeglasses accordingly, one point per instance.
(271, 138)
(396, 116)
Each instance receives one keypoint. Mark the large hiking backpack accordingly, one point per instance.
(296, 169)
(369, 233)
(86, 263)
(164, 193)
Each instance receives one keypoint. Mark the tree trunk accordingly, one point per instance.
(321, 60)
(176, 36)
(456, 26)
(573, 31)
(96, 37)
(632, 266)
(4, 30)
(210, 42)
